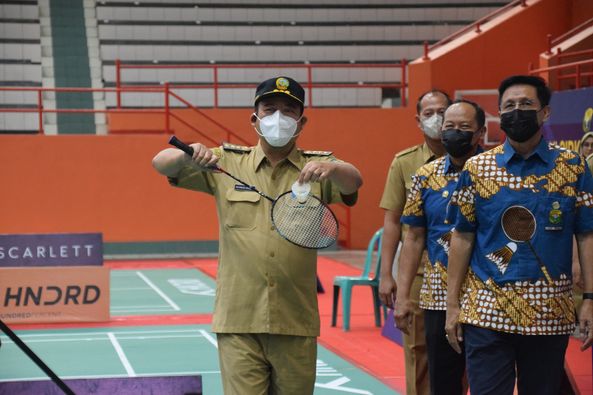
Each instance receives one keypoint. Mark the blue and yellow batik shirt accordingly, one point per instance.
(550, 193)
(426, 207)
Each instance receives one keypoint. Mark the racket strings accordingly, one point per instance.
(309, 224)
(518, 223)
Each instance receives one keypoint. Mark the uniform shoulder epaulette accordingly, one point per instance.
(408, 151)
(236, 148)
(317, 153)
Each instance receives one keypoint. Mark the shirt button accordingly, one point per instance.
(272, 227)
(272, 254)
(272, 284)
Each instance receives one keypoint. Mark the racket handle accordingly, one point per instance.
(174, 141)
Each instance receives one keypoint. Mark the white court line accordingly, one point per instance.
(209, 337)
(144, 307)
(158, 291)
(121, 354)
(27, 335)
(119, 338)
(137, 311)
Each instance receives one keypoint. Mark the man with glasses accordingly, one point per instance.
(509, 286)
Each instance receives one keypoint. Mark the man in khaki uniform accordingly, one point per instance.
(430, 109)
(265, 314)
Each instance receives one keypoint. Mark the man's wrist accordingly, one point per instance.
(587, 295)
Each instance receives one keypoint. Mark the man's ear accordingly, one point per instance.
(253, 119)
(483, 133)
(418, 122)
(547, 110)
(304, 120)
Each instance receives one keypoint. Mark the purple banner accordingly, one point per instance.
(571, 117)
(390, 331)
(64, 249)
(174, 385)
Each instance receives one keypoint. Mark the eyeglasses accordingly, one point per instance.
(521, 105)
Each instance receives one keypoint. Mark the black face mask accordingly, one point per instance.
(458, 143)
(519, 125)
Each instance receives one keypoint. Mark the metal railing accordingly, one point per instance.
(581, 71)
(575, 30)
(344, 219)
(473, 27)
(216, 85)
(40, 109)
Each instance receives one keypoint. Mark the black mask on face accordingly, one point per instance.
(458, 143)
(519, 125)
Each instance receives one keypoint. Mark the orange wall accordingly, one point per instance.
(482, 60)
(106, 183)
(582, 10)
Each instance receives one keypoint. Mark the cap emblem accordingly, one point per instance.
(282, 84)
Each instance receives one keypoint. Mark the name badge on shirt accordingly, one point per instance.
(241, 187)
(555, 221)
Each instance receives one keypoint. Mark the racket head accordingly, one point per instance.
(307, 223)
(518, 223)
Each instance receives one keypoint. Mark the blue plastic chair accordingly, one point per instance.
(347, 282)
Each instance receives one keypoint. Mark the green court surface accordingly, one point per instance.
(155, 351)
(160, 349)
(161, 291)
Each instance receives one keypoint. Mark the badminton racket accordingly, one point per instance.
(518, 224)
(308, 223)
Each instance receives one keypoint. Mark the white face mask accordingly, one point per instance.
(432, 126)
(277, 128)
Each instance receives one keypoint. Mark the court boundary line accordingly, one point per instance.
(158, 291)
(121, 354)
(209, 337)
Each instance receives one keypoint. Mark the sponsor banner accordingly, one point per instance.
(571, 115)
(45, 295)
(67, 249)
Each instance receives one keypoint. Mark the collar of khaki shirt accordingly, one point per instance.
(427, 154)
(294, 157)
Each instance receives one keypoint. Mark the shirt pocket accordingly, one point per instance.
(556, 214)
(242, 209)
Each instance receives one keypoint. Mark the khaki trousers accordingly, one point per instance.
(266, 364)
(417, 380)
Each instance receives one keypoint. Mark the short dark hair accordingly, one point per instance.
(480, 114)
(543, 92)
(433, 91)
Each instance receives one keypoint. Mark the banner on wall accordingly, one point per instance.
(571, 117)
(48, 278)
(54, 294)
(63, 249)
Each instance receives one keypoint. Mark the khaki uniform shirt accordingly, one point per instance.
(399, 183)
(265, 284)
